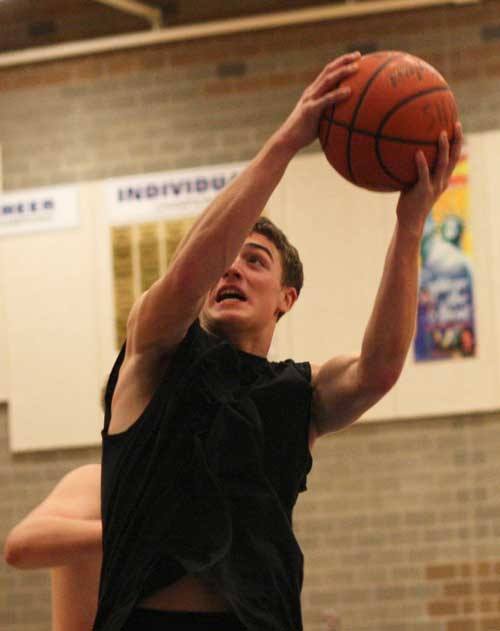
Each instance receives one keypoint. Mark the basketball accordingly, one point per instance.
(398, 104)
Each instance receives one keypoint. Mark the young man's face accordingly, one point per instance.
(250, 294)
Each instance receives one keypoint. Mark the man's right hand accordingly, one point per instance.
(301, 127)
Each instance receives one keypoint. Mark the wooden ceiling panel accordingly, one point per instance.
(25, 24)
(31, 23)
(179, 12)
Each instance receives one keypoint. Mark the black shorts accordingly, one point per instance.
(154, 620)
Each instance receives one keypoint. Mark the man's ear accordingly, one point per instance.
(289, 297)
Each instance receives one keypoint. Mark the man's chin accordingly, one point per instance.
(215, 319)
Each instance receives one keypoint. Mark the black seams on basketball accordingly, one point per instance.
(398, 104)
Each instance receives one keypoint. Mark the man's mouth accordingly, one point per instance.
(230, 294)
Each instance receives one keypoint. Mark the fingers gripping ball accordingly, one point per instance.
(398, 104)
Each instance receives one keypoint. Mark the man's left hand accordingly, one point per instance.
(415, 203)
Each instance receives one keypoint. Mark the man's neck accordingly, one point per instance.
(248, 341)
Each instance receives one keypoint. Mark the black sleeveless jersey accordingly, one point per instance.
(204, 483)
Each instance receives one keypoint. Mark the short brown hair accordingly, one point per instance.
(293, 272)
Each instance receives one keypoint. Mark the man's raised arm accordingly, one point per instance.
(345, 387)
(161, 317)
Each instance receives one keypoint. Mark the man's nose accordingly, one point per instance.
(233, 270)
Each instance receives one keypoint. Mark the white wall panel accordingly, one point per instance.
(471, 384)
(53, 344)
(490, 166)
(57, 305)
(94, 196)
(4, 349)
(4, 368)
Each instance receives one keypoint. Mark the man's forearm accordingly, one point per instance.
(217, 235)
(163, 316)
(49, 541)
(391, 326)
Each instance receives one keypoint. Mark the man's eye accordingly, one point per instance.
(255, 259)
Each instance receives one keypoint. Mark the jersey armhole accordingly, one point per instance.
(110, 387)
(193, 330)
(305, 370)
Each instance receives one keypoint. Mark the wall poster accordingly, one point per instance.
(445, 322)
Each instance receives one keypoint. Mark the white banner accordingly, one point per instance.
(39, 210)
(155, 196)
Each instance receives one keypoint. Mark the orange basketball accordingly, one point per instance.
(398, 104)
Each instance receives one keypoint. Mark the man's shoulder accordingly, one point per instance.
(315, 368)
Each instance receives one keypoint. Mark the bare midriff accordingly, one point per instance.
(187, 594)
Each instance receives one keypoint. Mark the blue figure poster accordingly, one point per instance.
(445, 321)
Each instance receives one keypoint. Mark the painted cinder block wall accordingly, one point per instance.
(401, 524)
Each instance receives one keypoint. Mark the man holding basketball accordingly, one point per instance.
(205, 442)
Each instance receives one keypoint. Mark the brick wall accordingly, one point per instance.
(204, 102)
(25, 479)
(400, 527)
(402, 519)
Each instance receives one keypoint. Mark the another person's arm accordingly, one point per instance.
(345, 387)
(63, 528)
